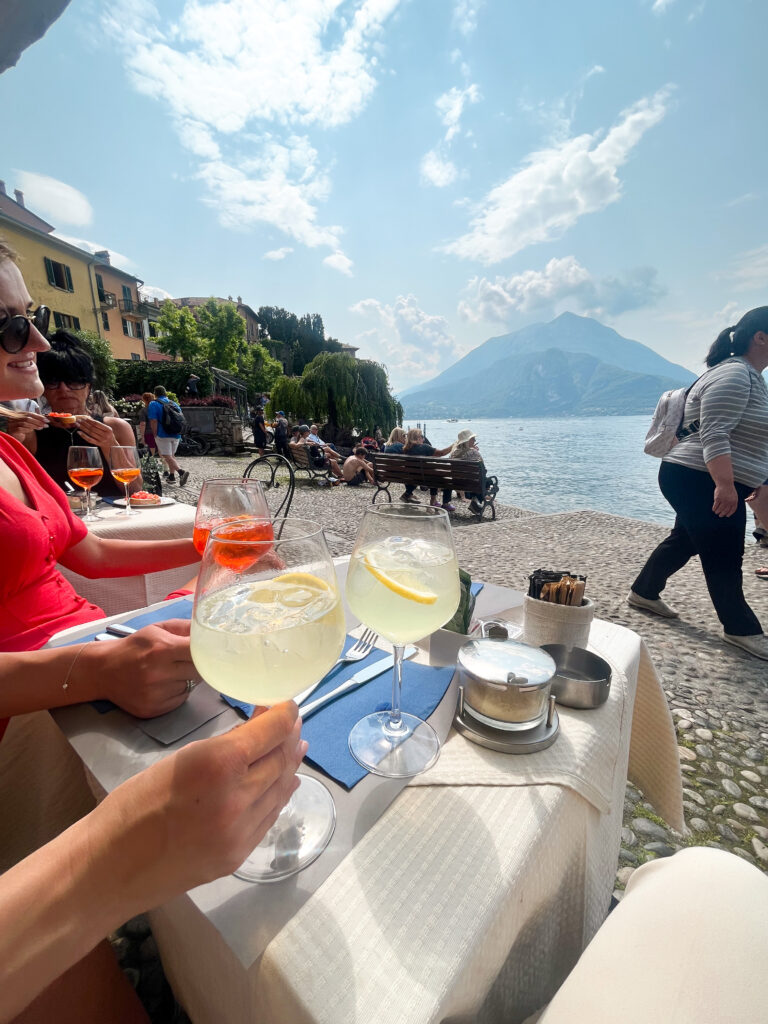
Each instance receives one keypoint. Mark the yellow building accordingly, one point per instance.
(123, 316)
(56, 273)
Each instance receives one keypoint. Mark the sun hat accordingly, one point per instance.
(465, 436)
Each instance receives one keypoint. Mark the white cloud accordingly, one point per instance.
(151, 291)
(749, 270)
(239, 77)
(435, 167)
(437, 170)
(54, 200)
(339, 261)
(415, 345)
(748, 197)
(555, 187)
(562, 283)
(451, 104)
(465, 15)
(117, 259)
(660, 6)
(278, 254)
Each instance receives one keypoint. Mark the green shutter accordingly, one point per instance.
(68, 278)
(49, 271)
(76, 321)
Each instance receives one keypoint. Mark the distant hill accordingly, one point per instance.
(550, 383)
(573, 365)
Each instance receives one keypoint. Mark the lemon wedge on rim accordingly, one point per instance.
(421, 596)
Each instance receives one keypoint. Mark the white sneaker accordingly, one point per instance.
(757, 644)
(658, 607)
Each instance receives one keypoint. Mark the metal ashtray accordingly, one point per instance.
(582, 680)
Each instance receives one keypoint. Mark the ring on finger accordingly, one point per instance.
(191, 684)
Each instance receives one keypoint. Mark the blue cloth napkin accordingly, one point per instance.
(172, 610)
(328, 729)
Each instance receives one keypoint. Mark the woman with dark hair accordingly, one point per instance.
(708, 475)
(416, 444)
(66, 371)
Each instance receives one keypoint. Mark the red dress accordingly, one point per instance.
(35, 599)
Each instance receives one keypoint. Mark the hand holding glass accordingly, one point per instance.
(268, 622)
(403, 581)
(85, 469)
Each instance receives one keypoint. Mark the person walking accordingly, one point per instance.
(707, 477)
(165, 422)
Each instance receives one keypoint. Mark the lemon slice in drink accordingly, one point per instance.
(421, 596)
(303, 579)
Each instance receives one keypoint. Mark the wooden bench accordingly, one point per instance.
(420, 471)
(303, 463)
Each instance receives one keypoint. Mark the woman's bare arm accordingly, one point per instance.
(97, 557)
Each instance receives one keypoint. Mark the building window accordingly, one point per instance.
(135, 356)
(152, 330)
(127, 299)
(58, 275)
(100, 287)
(105, 321)
(131, 329)
(64, 320)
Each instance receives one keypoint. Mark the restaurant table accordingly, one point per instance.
(122, 594)
(466, 895)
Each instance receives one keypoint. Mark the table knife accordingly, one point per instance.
(364, 675)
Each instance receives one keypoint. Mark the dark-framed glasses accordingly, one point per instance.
(14, 330)
(71, 385)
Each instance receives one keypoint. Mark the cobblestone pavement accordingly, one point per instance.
(718, 694)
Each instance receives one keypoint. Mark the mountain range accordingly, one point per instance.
(571, 366)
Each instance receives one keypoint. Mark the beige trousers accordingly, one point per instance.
(688, 944)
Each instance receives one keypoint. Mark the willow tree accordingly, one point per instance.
(289, 395)
(350, 393)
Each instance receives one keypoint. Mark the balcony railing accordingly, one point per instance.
(107, 300)
(138, 308)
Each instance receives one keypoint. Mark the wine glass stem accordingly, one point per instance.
(397, 686)
(127, 500)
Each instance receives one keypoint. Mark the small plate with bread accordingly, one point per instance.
(145, 499)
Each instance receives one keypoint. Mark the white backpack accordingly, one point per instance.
(664, 431)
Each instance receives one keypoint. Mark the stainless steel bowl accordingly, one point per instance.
(582, 679)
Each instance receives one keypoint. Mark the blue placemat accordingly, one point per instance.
(475, 588)
(172, 610)
(328, 729)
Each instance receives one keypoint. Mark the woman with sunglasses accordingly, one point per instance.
(37, 530)
(67, 373)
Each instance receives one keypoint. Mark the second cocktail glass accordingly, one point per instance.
(228, 499)
(403, 581)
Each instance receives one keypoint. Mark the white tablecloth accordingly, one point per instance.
(116, 595)
(469, 899)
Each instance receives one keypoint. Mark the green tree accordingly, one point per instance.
(289, 395)
(101, 354)
(223, 330)
(178, 334)
(265, 371)
(351, 393)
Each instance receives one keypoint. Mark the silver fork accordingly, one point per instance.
(359, 650)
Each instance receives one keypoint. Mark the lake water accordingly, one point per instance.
(555, 465)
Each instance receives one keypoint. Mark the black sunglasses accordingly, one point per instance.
(14, 330)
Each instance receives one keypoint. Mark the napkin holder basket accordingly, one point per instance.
(547, 623)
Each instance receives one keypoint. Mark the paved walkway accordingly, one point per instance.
(718, 694)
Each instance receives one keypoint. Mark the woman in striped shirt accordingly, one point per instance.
(707, 476)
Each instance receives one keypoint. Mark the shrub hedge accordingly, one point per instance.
(137, 376)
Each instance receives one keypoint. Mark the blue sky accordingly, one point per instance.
(423, 173)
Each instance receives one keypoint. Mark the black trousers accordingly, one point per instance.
(410, 488)
(719, 543)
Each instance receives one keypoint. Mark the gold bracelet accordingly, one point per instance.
(72, 665)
